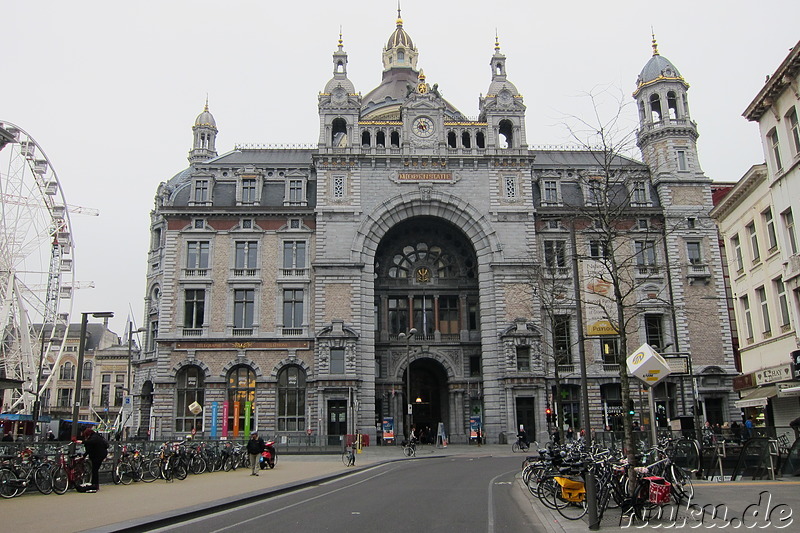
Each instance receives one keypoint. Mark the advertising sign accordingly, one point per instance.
(647, 365)
(388, 429)
(214, 416)
(474, 426)
(195, 408)
(225, 411)
(774, 374)
(248, 406)
(599, 296)
(236, 414)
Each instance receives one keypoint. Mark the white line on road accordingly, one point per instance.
(490, 512)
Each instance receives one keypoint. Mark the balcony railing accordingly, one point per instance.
(610, 367)
(566, 369)
(294, 272)
(192, 332)
(292, 332)
(648, 271)
(195, 272)
(242, 332)
(245, 272)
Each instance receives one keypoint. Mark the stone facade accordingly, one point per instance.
(407, 214)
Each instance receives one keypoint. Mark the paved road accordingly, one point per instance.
(447, 494)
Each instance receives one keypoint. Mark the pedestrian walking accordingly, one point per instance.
(255, 446)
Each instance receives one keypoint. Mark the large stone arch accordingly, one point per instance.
(425, 353)
(242, 361)
(426, 202)
(191, 362)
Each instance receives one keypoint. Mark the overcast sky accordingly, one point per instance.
(110, 90)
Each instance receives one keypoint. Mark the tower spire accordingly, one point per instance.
(496, 41)
(655, 44)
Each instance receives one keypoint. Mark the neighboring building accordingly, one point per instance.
(282, 282)
(757, 222)
(103, 377)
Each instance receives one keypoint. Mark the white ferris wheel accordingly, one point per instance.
(37, 272)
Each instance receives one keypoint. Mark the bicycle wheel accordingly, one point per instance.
(181, 469)
(124, 473)
(227, 463)
(83, 472)
(515, 447)
(150, 470)
(346, 458)
(43, 478)
(198, 465)
(544, 491)
(8, 483)
(166, 469)
(60, 480)
(567, 506)
(682, 487)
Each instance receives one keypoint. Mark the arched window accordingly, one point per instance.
(190, 386)
(451, 139)
(655, 108)
(87, 371)
(401, 56)
(506, 134)
(339, 132)
(480, 140)
(672, 105)
(394, 139)
(291, 399)
(241, 389)
(466, 140)
(380, 139)
(67, 371)
(339, 66)
(365, 139)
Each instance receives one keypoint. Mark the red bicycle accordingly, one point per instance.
(73, 470)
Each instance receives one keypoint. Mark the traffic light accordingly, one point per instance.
(631, 410)
(548, 414)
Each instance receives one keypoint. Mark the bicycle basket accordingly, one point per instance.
(659, 490)
(571, 490)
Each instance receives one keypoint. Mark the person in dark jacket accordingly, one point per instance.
(254, 448)
(96, 449)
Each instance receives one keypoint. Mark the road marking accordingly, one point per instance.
(490, 506)
(503, 483)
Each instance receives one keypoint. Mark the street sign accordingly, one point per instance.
(648, 365)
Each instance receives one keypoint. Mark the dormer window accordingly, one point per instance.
(248, 190)
(401, 56)
(201, 191)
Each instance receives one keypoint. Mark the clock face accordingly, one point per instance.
(423, 127)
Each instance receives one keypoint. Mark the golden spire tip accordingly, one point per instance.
(655, 44)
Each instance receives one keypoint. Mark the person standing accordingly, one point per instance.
(96, 449)
(254, 448)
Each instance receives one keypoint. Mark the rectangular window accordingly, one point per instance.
(693, 253)
(398, 315)
(86, 395)
(511, 187)
(337, 360)
(555, 254)
(248, 191)
(194, 309)
(550, 192)
(794, 130)
(201, 188)
(654, 330)
(769, 223)
(562, 342)
(338, 186)
(244, 302)
(610, 350)
(682, 160)
(294, 254)
(598, 250)
(246, 255)
(736, 246)
(64, 398)
(761, 293)
(119, 391)
(523, 358)
(596, 194)
(755, 255)
(296, 191)
(105, 390)
(197, 254)
(748, 319)
(783, 302)
(293, 308)
(448, 315)
(788, 224)
(152, 336)
(774, 143)
(639, 193)
(645, 253)
(474, 365)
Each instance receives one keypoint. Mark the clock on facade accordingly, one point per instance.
(423, 127)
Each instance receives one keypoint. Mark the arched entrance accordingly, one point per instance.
(429, 397)
(426, 284)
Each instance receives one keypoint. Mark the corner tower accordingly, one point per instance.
(339, 105)
(205, 137)
(502, 108)
(667, 135)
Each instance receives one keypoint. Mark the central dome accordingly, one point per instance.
(399, 37)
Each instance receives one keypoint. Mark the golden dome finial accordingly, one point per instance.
(421, 75)
(341, 43)
(655, 44)
(496, 41)
(206, 108)
(399, 18)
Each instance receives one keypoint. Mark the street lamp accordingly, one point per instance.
(409, 412)
(79, 374)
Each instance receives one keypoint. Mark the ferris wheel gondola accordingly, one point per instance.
(37, 271)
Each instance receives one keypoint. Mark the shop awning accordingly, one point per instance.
(789, 392)
(758, 397)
